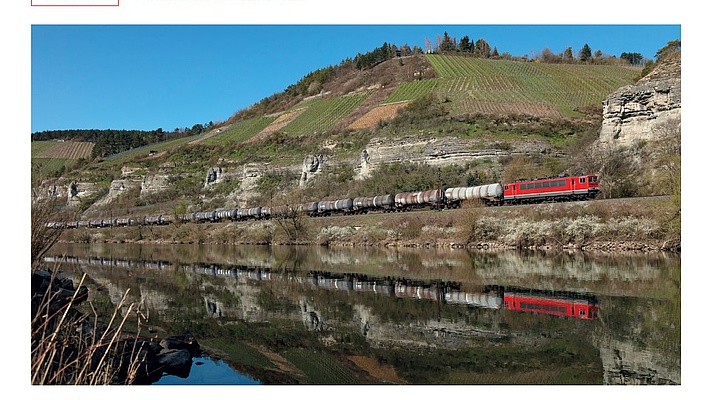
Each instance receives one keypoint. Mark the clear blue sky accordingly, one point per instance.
(168, 76)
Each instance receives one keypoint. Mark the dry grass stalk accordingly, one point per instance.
(67, 350)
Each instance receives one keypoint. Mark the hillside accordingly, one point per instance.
(478, 120)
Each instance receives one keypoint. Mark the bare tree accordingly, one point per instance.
(291, 217)
(48, 223)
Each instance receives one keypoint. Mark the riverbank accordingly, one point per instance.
(617, 225)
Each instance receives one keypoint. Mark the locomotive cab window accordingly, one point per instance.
(592, 179)
(506, 187)
(582, 180)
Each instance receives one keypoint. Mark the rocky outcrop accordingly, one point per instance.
(312, 165)
(213, 176)
(442, 151)
(644, 111)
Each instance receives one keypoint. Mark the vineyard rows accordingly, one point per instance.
(322, 114)
(67, 150)
(241, 131)
(319, 367)
(477, 85)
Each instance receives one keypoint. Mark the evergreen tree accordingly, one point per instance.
(585, 54)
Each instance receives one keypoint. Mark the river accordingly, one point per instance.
(319, 315)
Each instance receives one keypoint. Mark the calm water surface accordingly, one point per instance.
(314, 315)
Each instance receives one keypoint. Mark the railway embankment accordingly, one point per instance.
(615, 225)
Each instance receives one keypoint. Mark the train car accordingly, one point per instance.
(416, 292)
(310, 208)
(480, 300)
(153, 220)
(329, 207)
(251, 213)
(362, 205)
(411, 200)
(224, 215)
(561, 188)
(574, 307)
(189, 217)
(265, 213)
(124, 221)
(488, 194)
(205, 216)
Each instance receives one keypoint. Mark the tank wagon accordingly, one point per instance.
(362, 205)
(413, 200)
(489, 194)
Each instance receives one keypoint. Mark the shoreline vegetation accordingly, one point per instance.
(617, 225)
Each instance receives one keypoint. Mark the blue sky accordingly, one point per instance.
(168, 76)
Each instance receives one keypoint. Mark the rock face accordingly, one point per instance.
(640, 112)
(441, 151)
(313, 164)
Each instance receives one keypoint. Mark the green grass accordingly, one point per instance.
(320, 367)
(121, 158)
(38, 147)
(48, 166)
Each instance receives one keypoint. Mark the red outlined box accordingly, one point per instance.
(70, 3)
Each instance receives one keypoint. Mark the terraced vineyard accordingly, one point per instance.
(48, 157)
(496, 86)
(320, 367)
(65, 150)
(241, 131)
(412, 90)
(322, 114)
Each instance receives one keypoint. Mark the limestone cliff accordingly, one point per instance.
(643, 111)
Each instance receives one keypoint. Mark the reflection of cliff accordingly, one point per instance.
(625, 363)
(637, 335)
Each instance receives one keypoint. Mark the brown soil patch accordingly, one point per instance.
(372, 117)
(384, 373)
(68, 150)
(282, 363)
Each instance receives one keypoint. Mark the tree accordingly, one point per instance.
(47, 224)
(482, 48)
(585, 53)
(428, 45)
(668, 165)
(465, 44)
(568, 55)
(447, 43)
(632, 58)
(548, 56)
(672, 47)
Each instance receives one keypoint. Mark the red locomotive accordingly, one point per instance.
(561, 188)
(580, 307)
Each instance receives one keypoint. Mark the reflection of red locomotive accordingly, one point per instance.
(552, 303)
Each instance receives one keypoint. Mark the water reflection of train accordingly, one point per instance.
(557, 303)
(561, 304)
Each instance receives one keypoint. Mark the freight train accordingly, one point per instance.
(550, 189)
